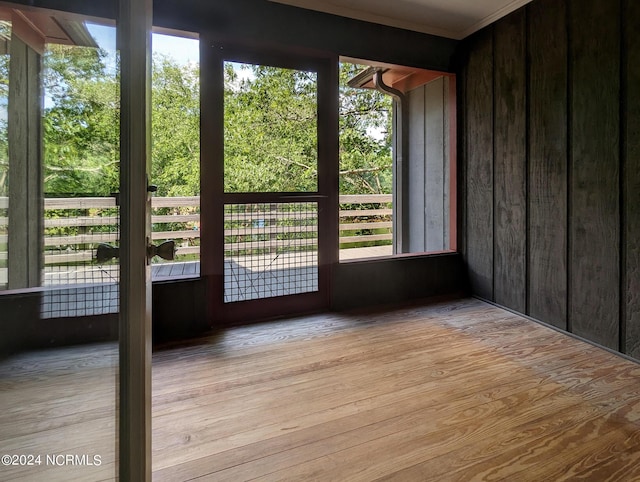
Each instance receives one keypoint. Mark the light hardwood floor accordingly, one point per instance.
(455, 390)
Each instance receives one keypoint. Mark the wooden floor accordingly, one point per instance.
(453, 391)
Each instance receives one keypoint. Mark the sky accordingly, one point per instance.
(183, 50)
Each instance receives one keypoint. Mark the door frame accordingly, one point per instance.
(134, 409)
(213, 53)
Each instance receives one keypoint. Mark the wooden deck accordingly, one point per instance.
(451, 391)
(93, 290)
(161, 271)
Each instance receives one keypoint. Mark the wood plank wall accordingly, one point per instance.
(594, 163)
(478, 92)
(631, 177)
(550, 107)
(547, 169)
(509, 156)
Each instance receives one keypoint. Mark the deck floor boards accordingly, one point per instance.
(89, 273)
(456, 390)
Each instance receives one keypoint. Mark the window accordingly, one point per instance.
(397, 161)
(175, 133)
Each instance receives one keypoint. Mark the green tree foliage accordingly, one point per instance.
(5, 36)
(271, 132)
(81, 122)
(270, 127)
(176, 127)
(365, 137)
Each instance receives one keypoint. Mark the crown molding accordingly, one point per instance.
(334, 9)
(498, 14)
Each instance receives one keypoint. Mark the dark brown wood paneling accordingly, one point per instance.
(548, 162)
(595, 151)
(631, 15)
(479, 172)
(510, 162)
(398, 279)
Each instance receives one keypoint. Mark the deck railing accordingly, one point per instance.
(75, 226)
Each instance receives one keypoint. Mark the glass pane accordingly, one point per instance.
(59, 225)
(270, 129)
(5, 42)
(176, 153)
(373, 141)
(366, 169)
(271, 249)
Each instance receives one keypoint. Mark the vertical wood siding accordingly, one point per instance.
(631, 178)
(428, 182)
(510, 162)
(416, 159)
(479, 175)
(436, 165)
(594, 163)
(548, 162)
(551, 107)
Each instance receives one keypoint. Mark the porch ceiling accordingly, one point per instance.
(38, 27)
(453, 19)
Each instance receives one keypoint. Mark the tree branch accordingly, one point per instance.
(367, 185)
(300, 164)
(81, 169)
(357, 185)
(364, 170)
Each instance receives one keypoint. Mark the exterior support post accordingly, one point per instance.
(24, 119)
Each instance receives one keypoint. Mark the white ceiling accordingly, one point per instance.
(454, 19)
